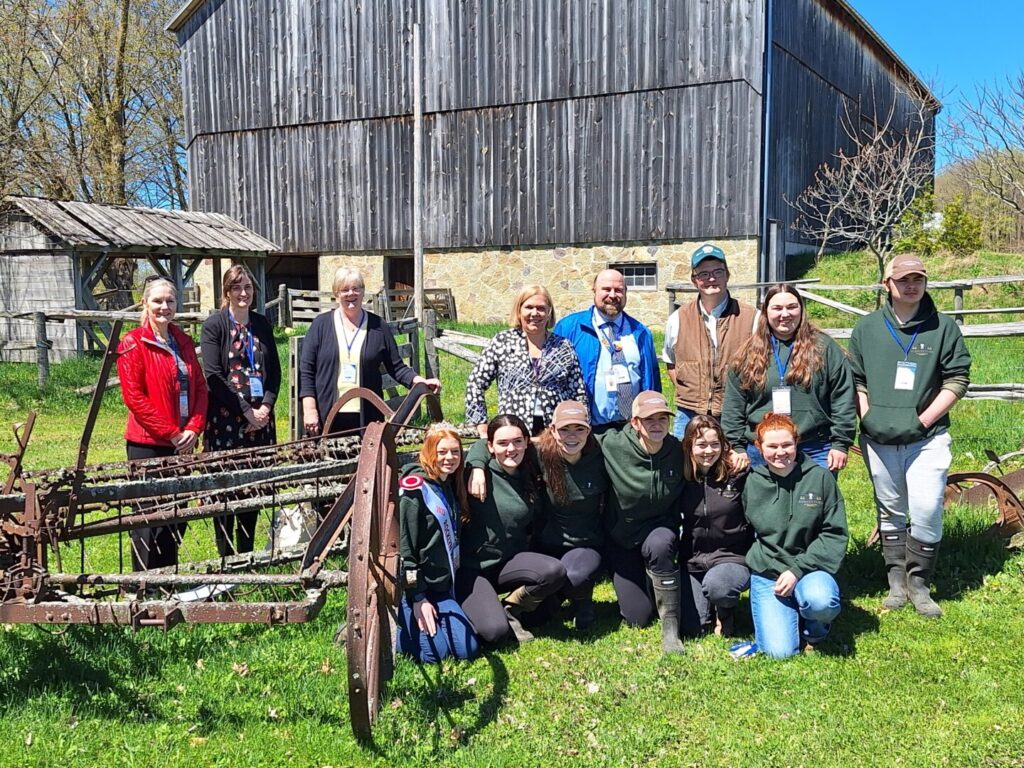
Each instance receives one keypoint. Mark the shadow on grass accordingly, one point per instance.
(96, 672)
(852, 622)
(971, 550)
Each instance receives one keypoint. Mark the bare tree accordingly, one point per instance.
(988, 140)
(857, 199)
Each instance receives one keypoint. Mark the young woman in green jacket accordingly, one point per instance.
(799, 517)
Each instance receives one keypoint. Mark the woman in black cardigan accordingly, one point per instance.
(345, 348)
(243, 374)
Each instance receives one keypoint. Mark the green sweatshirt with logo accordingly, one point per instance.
(578, 522)
(799, 520)
(827, 410)
(420, 542)
(643, 489)
(941, 359)
(501, 526)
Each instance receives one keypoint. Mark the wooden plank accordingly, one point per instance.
(465, 338)
(456, 349)
(978, 330)
(832, 303)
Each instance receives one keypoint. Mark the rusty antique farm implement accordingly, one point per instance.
(347, 484)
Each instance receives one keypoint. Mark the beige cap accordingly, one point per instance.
(903, 265)
(648, 403)
(570, 412)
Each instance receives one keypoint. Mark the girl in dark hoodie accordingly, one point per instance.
(716, 534)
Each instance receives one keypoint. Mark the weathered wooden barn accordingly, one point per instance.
(54, 255)
(560, 137)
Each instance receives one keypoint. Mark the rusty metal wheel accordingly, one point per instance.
(372, 582)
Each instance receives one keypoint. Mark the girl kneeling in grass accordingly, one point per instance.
(432, 625)
(799, 517)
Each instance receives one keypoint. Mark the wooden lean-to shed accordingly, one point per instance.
(54, 254)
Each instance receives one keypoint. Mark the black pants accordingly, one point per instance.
(154, 547)
(629, 567)
(235, 534)
(477, 591)
(582, 568)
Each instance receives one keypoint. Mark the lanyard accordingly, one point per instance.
(910, 346)
(250, 342)
(355, 337)
(778, 361)
(602, 327)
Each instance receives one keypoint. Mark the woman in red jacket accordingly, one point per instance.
(165, 391)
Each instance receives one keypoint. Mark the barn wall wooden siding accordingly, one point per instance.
(548, 122)
(822, 66)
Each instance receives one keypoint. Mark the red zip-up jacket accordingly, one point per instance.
(149, 386)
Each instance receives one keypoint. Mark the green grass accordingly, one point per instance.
(886, 689)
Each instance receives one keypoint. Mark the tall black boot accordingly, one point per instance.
(666, 600)
(894, 551)
(921, 559)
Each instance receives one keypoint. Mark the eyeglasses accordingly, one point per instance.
(241, 289)
(718, 274)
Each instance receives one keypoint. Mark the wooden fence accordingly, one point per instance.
(294, 306)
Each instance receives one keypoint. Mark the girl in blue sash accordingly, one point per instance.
(432, 626)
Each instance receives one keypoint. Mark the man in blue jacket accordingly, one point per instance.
(616, 352)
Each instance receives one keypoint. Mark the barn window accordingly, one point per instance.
(641, 276)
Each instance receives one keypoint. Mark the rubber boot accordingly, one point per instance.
(516, 604)
(894, 551)
(666, 600)
(921, 559)
(583, 613)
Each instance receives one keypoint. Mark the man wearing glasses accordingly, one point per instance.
(702, 337)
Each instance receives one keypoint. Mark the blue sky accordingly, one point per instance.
(954, 43)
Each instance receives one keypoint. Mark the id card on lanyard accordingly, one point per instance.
(906, 371)
(782, 395)
(255, 379)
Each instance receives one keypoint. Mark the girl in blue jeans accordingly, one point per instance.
(799, 517)
(432, 625)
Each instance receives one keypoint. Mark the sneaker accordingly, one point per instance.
(743, 650)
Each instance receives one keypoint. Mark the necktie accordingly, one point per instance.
(624, 388)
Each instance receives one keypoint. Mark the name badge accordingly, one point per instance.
(183, 405)
(629, 348)
(255, 386)
(349, 374)
(782, 400)
(621, 374)
(610, 383)
(905, 372)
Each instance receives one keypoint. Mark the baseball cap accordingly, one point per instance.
(707, 251)
(570, 412)
(648, 403)
(903, 265)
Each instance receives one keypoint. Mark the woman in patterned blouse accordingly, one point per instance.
(244, 376)
(535, 368)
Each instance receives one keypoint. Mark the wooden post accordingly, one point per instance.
(429, 334)
(42, 349)
(282, 304)
(958, 303)
(286, 309)
(417, 174)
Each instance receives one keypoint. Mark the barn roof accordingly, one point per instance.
(189, 7)
(92, 226)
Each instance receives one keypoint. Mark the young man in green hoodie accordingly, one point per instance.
(910, 366)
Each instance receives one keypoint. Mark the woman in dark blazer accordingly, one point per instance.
(344, 349)
(243, 374)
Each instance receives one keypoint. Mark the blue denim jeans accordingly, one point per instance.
(816, 451)
(813, 604)
(454, 636)
(896, 470)
(683, 416)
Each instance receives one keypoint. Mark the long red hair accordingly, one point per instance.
(432, 470)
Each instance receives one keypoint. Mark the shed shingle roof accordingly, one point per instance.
(115, 227)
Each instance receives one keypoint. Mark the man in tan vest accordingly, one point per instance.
(702, 337)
